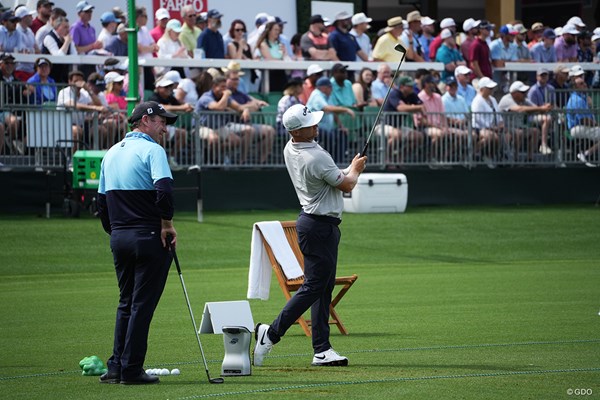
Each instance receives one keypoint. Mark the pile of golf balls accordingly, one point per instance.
(162, 371)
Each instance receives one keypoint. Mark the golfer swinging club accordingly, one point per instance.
(319, 184)
(136, 208)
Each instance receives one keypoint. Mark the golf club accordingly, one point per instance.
(401, 49)
(187, 300)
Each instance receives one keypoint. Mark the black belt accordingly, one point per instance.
(322, 218)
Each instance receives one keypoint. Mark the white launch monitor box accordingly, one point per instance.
(378, 193)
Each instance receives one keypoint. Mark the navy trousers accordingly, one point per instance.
(319, 238)
(142, 265)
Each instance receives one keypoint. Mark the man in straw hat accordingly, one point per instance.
(384, 48)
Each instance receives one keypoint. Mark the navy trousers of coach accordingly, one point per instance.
(319, 238)
(142, 266)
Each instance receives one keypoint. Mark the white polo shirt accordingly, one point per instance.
(315, 177)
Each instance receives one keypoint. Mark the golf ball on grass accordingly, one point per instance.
(164, 371)
(175, 371)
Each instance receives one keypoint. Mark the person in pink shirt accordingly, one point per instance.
(162, 17)
(434, 122)
(114, 90)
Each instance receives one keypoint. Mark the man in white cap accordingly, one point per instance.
(24, 71)
(437, 42)
(427, 35)
(162, 17)
(471, 29)
(448, 54)
(577, 23)
(516, 104)
(487, 122)
(345, 44)
(319, 184)
(410, 37)
(566, 44)
(313, 73)
(360, 26)
(465, 89)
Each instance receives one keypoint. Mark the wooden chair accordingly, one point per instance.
(292, 285)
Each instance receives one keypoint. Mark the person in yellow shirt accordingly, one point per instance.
(189, 31)
(384, 48)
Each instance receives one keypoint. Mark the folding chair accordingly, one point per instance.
(292, 285)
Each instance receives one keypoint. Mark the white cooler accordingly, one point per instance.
(378, 193)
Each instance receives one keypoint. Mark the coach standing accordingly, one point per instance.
(136, 208)
(319, 184)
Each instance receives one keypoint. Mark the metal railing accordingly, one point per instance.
(44, 137)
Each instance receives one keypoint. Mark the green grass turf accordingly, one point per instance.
(451, 303)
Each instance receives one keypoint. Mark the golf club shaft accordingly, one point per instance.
(364, 150)
(189, 306)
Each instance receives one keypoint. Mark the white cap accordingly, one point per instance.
(570, 29)
(164, 83)
(597, 31)
(462, 70)
(518, 86)
(427, 21)
(173, 76)
(313, 69)
(22, 12)
(360, 18)
(558, 31)
(447, 23)
(576, 21)
(113, 77)
(470, 23)
(446, 33)
(595, 37)
(487, 83)
(299, 116)
(576, 70)
(162, 13)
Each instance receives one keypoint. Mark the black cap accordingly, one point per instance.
(339, 67)
(316, 18)
(151, 108)
(293, 82)
(9, 16)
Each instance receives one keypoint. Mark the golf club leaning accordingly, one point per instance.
(187, 300)
(401, 49)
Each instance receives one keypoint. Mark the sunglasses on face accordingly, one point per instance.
(240, 30)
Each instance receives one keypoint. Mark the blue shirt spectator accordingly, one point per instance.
(342, 95)
(498, 51)
(214, 122)
(11, 40)
(576, 107)
(467, 92)
(316, 102)
(455, 106)
(542, 93)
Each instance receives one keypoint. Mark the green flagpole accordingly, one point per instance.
(134, 78)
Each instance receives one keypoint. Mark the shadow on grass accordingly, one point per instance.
(475, 368)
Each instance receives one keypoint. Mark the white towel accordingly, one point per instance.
(259, 273)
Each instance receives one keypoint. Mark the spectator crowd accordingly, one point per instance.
(472, 99)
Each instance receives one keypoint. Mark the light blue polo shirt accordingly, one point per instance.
(316, 102)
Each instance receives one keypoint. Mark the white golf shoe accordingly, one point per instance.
(329, 358)
(263, 344)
